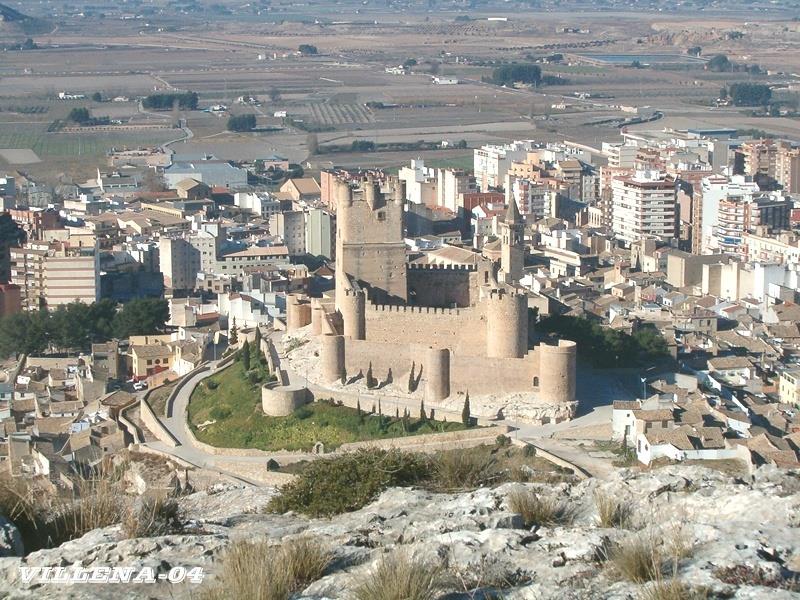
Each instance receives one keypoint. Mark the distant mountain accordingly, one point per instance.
(13, 21)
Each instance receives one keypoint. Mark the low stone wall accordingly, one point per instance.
(134, 430)
(556, 460)
(152, 422)
(434, 442)
(254, 471)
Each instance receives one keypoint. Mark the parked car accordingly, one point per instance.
(140, 385)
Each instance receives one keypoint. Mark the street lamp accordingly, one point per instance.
(644, 387)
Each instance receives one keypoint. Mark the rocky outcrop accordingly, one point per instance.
(721, 521)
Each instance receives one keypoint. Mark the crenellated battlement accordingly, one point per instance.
(439, 267)
(501, 294)
(414, 310)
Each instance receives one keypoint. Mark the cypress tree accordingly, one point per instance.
(465, 416)
(246, 355)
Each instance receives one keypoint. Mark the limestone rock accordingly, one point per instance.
(724, 521)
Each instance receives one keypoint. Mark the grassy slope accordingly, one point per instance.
(240, 422)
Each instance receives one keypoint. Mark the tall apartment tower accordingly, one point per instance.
(370, 249)
(643, 205)
(512, 254)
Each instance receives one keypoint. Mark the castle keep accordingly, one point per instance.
(447, 331)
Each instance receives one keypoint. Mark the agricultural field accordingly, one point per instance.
(232, 56)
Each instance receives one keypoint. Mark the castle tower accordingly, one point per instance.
(298, 312)
(317, 317)
(437, 372)
(352, 307)
(512, 251)
(369, 240)
(332, 357)
(506, 324)
(557, 371)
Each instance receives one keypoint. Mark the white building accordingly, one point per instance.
(257, 203)
(643, 205)
(532, 198)
(420, 182)
(492, 162)
(714, 190)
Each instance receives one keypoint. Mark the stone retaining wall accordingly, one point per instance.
(433, 442)
(152, 422)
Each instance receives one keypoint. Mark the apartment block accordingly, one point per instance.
(51, 275)
(643, 205)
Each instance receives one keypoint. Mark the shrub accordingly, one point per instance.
(741, 575)
(399, 577)
(212, 385)
(219, 413)
(152, 517)
(539, 510)
(503, 440)
(611, 512)
(258, 571)
(463, 470)
(344, 483)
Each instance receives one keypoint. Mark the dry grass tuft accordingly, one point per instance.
(258, 571)
(399, 577)
(612, 512)
(539, 510)
(637, 559)
(152, 517)
(46, 521)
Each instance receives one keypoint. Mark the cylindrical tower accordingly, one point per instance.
(557, 371)
(506, 324)
(353, 310)
(317, 316)
(437, 373)
(332, 357)
(298, 312)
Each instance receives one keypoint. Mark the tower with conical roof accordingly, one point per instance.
(512, 256)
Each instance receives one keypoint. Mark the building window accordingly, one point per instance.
(381, 215)
(149, 362)
(535, 382)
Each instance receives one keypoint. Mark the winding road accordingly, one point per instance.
(596, 392)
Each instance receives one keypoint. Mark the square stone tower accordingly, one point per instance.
(369, 240)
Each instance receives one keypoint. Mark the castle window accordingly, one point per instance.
(381, 215)
(535, 382)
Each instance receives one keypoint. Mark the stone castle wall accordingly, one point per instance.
(439, 286)
(463, 330)
(476, 375)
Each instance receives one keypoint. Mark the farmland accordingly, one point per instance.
(345, 94)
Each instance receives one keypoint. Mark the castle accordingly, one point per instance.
(452, 329)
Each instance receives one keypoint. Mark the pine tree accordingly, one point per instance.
(246, 355)
(422, 416)
(465, 416)
(234, 334)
